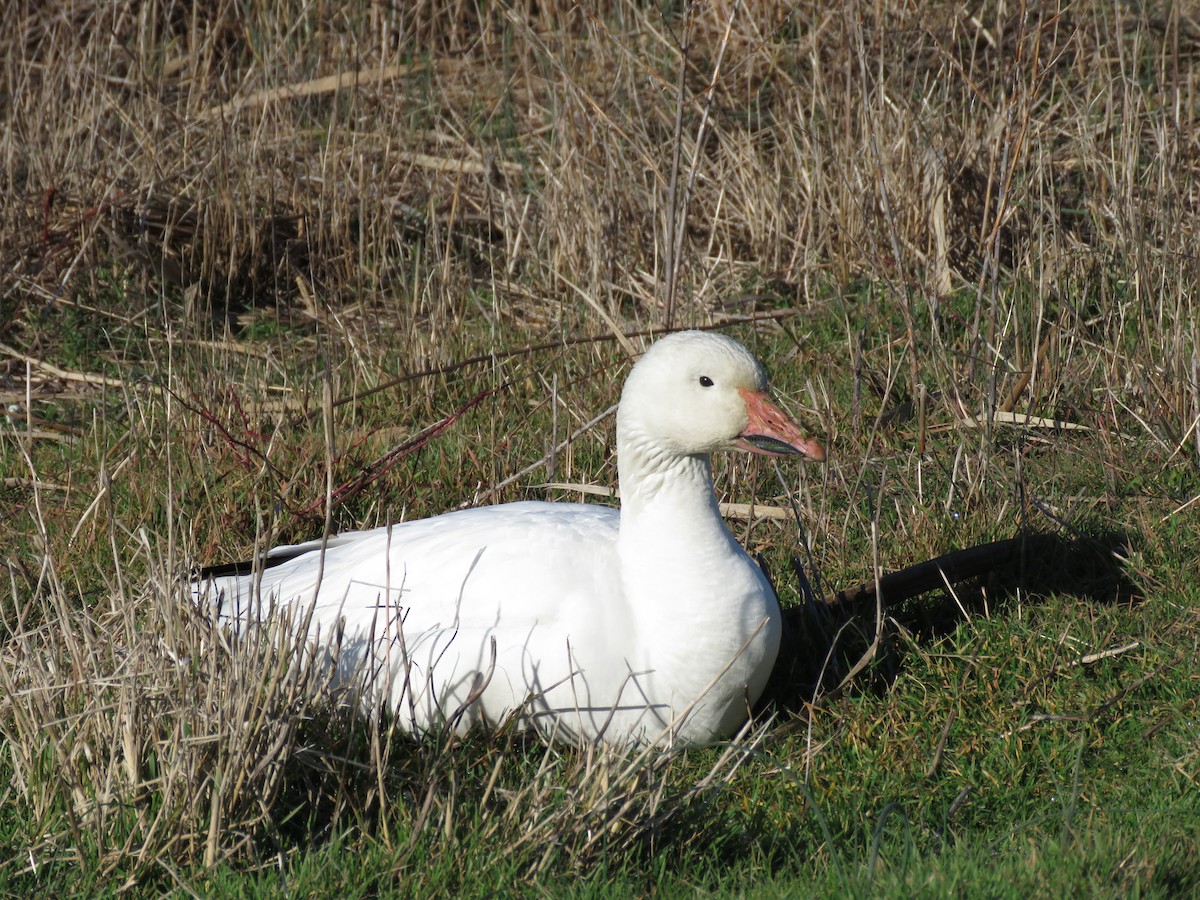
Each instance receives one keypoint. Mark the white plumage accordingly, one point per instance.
(648, 623)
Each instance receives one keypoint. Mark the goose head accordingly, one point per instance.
(696, 393)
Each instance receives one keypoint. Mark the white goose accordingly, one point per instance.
(649, 623)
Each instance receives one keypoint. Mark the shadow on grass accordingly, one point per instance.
(824, 639)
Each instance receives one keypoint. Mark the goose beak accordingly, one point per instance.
(772, 432)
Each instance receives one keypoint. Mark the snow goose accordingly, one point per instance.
(649, 623)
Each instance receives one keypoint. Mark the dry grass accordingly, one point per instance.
(256, 257)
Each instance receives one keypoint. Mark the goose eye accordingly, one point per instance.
(705, 381)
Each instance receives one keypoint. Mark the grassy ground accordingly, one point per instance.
(273, 268)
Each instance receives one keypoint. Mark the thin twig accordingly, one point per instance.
(68, 375)
(558, 448)
(381, 466)
(326, 85)
(494, 356)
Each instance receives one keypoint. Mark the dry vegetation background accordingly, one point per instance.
(273, 267)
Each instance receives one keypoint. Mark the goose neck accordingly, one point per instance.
(660, 486)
